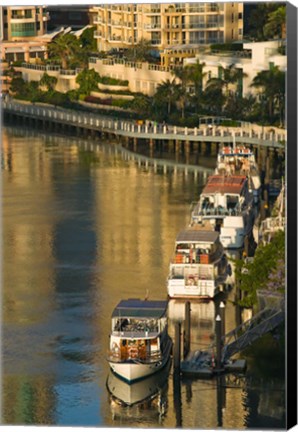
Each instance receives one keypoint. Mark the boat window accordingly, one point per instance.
(232, 201)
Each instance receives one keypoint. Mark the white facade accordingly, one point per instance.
(255, 57)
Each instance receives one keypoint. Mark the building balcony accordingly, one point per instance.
(152, 26)
(22, 19)
(114, 38)
(152, 11)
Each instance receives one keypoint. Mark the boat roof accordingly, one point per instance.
(193, 235)
(225, 184)
(136, 308)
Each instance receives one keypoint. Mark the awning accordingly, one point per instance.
(14, 50)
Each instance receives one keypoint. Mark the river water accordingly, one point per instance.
(82, 229)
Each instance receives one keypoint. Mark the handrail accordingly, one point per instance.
(132, 128)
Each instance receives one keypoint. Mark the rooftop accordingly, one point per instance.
(136, 308)
(225, 184)
(193, 235)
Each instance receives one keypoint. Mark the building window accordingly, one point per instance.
(37, 26)
(240, 32)
(232, 34)
(240, 16)
(232, 18)
(24, 29)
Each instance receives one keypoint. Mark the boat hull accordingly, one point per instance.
(133, 370)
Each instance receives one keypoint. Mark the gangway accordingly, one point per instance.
(201, 363)
(249, 331)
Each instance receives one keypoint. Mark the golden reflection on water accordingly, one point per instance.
(82, 229)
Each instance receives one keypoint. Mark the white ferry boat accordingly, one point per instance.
(240, 160)
(199, 267)
(139, 340)
(228, 205)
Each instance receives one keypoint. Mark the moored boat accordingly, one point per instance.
(240, 160)
(228, 205)
(139, 340)
(199, 267)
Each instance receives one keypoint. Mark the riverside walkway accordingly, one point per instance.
(249, 135)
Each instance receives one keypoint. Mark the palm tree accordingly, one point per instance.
(65, 48)
(276, 23)
(183, 75)
(272, 88)
(196, 76)
(167, 91)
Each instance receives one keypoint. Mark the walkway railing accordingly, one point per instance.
(146, 130)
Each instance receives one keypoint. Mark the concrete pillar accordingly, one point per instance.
(187, 151)
(135, 144)
(151, 147)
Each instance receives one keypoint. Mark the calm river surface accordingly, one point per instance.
(82, 229)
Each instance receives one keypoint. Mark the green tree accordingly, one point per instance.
(66, 49)
(18, 86)
(271, 85)
(266, 271)
(88, 81)
(260, 17)
(275, 26)
(87, 40)
(142, 105)
(196, 76)
(167, 91)
(183, 76)
(48, 81)
(213, 98)
(140, 51)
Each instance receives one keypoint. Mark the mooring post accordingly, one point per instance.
(186, 346)
(218, 341)
(222, 310)
(177, 347)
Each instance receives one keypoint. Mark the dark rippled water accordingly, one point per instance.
(82, 229)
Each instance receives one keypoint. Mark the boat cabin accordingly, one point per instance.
(196, 246)
(223, 195)
(136, 328)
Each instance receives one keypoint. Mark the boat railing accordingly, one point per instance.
(219, 211)
(138, 354)
(195, 258)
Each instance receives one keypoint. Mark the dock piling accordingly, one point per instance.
(218, 342)
(186, 345)
(177, 347)
(222, 310)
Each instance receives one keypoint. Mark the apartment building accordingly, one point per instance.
(23, 22)
(179, 26)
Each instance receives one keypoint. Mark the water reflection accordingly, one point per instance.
(83, 228)
(139, 392)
